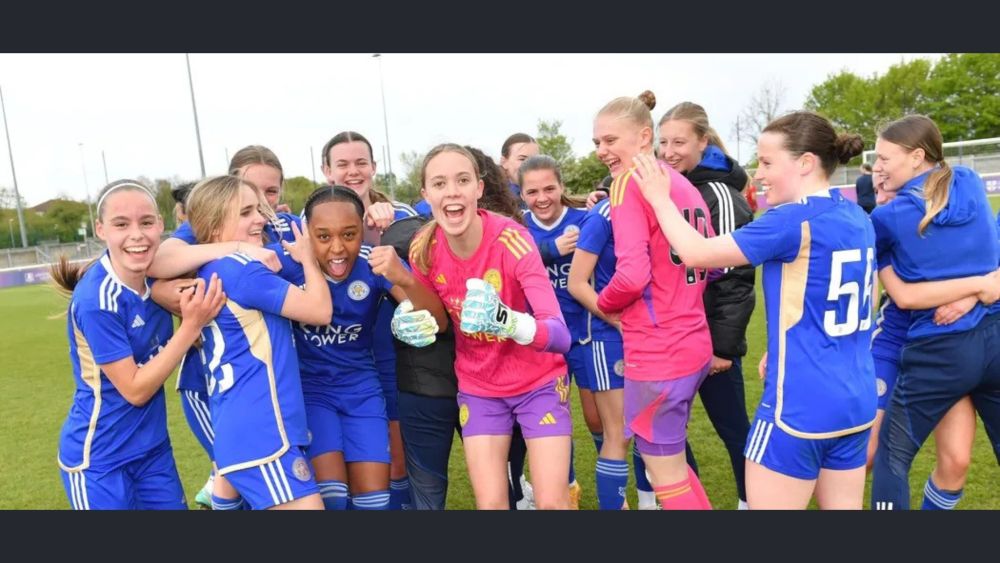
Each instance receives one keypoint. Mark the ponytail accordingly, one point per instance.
(66, 275)
(936, 191)
(420, 248)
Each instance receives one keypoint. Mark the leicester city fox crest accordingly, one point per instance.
(358, 290)
(571, 229)
(493, 278)
(620, 367)
(300, 468)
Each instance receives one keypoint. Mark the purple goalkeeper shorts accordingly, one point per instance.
(657, 412)
(541, 412)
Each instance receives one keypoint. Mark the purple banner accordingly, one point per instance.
(28, 275)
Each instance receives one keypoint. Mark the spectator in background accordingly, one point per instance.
(865, 189)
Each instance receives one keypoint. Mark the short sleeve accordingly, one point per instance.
(595, 230)
(106, 333)
(185, 233)
(775, 235)
(885, 237)
(261, 289)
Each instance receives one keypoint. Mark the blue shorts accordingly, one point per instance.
(796, 457)
(148, 483)
(387, 378)
(605, 366)
(885, 379)
(195, 407)
(277, 482)
(576, 361)
(351, 421)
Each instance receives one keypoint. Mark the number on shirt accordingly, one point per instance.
(700, 224)
(859, 307)
(215, 366)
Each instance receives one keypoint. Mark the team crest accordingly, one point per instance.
(571, 229)
(463, 414)
(358, 290)
(300, 467)
(881, 386)
(492, 277)
(620, 368)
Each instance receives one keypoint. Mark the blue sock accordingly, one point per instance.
(598, 440)
(375, 500)
(219, 503)
(399, 494)
(334, 494)
(939, 499)
(612, 477)
(639, 466)
(572, 472)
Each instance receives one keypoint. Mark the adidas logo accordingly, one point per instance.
(440, 279)
(547, 419)
(137, 322)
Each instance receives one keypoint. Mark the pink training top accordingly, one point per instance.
(663, 316)
(507, 259)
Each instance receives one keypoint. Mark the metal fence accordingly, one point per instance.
(50, 253)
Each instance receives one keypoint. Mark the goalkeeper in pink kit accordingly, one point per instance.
(509, 361)
(668, 347)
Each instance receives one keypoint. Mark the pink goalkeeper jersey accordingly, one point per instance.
(507, 259)
(663, 316)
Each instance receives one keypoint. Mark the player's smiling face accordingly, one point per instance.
(266, 178)
(542, 193)
(778, 171)
(350, 165)
(131, 226)
(896, 164)
(452, 188)
(680, 145)
(335, 229)
(617, 140)
(517, 154)
(246, 222)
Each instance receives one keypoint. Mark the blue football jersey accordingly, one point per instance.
(341, 352)
(954, 245)
(819, 258)
(558, 266)
(597, 238)
(891, 326)
(109, 321)
(278, 230)
(255, 392)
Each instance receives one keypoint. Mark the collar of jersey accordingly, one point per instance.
(554, 224)
(106, 262)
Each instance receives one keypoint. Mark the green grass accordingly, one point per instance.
(995, 202)
(37, 388)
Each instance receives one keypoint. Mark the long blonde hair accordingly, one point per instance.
(215, 200)
(920, 132)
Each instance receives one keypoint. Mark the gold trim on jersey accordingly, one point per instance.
(794, 279)
(618, 188)
(90, 373)
(514, 242)
(255, 329)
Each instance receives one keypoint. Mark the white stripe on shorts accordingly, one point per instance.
(763, 443)
(284, 480)
(752, 443)
(270, 487)
(74, 496)
(200, 410)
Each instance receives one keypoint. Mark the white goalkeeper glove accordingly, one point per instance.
(482, 311)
